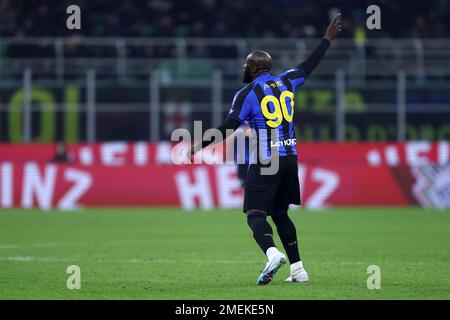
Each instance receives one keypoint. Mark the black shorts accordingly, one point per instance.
(272, 194)
(242, 173)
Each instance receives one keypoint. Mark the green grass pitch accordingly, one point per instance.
(173, 254)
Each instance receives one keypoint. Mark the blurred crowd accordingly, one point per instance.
(221, 18)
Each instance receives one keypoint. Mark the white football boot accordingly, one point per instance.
(276, 260)
(298, 274)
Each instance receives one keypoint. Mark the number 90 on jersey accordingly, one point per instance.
(275, 118)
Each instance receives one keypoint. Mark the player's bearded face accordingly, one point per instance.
(247, 78)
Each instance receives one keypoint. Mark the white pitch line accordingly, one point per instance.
(8, 246)
(49, 259)
(316, 255)
(212, 261)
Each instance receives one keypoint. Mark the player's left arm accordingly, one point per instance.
(316, 56)
(239, 111)
(226, 129)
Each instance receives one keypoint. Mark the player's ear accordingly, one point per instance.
(253, 69)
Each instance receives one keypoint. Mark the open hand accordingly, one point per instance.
(190, 153)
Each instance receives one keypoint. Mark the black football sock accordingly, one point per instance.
(262, 231)
(288, 235)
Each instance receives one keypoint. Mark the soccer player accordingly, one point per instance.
(267, 104)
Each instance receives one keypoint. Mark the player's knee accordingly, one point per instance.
(284, 223)
(255, 216)
(280, 218)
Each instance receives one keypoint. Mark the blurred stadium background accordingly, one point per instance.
(86, 118)
(115, 90)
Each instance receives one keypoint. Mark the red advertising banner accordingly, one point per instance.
(141, 174)
(116, 154)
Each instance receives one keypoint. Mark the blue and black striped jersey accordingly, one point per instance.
(267, 104)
